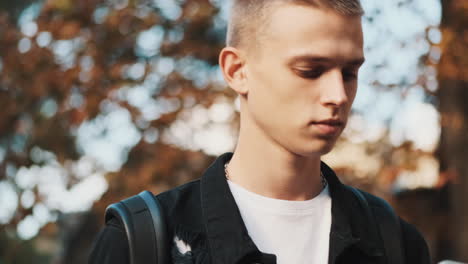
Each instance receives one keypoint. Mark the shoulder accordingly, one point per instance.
(414, 244)
(110, 246)
(416, 249)
(182, 201)
(182, 210)
(375, 201)
(180, 194)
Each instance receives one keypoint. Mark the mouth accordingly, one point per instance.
(328, 127)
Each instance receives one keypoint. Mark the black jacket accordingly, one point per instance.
(203, 213)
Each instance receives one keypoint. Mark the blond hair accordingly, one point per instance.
(249, 17)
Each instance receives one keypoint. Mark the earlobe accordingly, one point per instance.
(232, 66)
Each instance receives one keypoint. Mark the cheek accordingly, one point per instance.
(268, 85)
(273, 99)
(279, 97)
(278, 94)
(352, 91)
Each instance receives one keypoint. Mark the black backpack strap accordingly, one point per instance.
(143, 220)
(388, 224)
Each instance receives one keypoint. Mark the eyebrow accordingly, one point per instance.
(320, 59)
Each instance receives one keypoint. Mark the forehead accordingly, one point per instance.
(296, 30)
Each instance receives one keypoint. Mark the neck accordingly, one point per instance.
(266, 168)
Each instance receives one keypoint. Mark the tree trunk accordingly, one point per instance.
(453, 106)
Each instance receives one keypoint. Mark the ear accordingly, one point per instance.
(232, 65)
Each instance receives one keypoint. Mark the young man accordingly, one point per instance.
(294, 65)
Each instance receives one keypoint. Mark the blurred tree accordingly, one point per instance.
(79, 61)
(14, 8)
(452, 97)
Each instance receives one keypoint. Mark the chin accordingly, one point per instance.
(314, 149)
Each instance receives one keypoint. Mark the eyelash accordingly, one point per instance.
(316, 73)
(311, 74)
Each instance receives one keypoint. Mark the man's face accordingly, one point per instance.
(302, 78)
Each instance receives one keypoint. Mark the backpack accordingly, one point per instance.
(143, 221)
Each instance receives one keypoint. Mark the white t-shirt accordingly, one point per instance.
(295, 231)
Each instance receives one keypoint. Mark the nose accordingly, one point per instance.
(334, 90)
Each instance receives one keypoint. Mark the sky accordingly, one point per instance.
(395, 38)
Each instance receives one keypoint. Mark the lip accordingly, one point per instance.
(328, 126)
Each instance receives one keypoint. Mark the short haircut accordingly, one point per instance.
(249, 17)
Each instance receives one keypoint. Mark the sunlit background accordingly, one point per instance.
(103, 99)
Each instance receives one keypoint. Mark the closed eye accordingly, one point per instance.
(310, 73)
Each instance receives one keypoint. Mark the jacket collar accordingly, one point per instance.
(230, 242)
(226, 232)
(350, 226)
